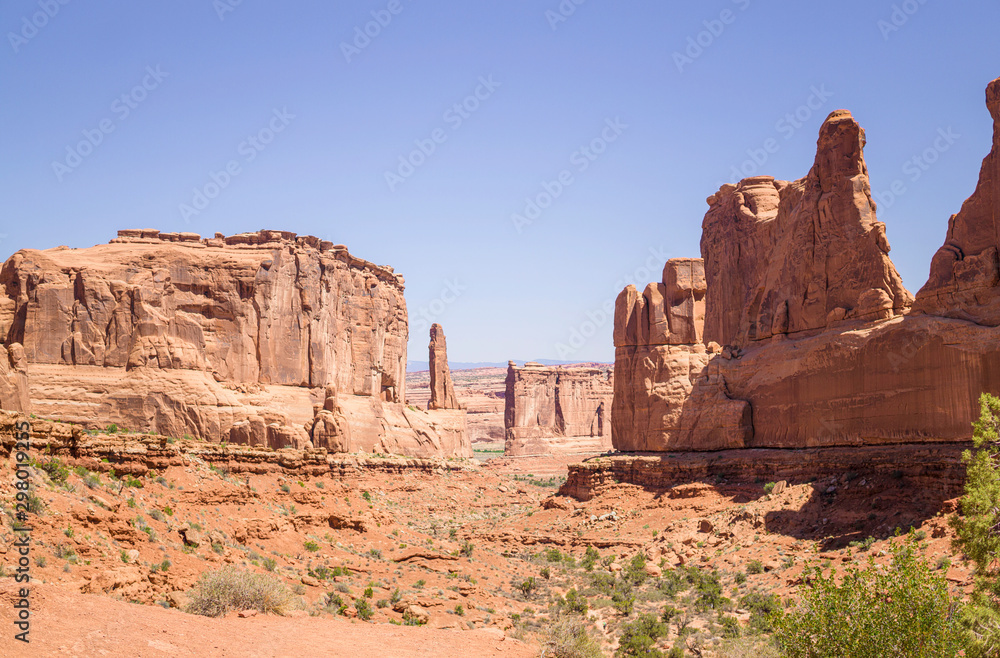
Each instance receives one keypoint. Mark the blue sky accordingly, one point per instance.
(619, 118)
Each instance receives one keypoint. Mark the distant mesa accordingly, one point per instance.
(794, 329)
(555, 409)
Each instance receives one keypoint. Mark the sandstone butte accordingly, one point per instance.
(442, 389)
(263, 338)
(557, 410)
(794, 329)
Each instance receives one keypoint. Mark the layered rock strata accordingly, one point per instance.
(557, 409)
(806, 336)
(227, 338)
(442, 390)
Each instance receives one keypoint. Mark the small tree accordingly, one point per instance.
(978, 529)
(902, 610)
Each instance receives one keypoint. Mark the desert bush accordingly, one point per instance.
(230, 588)
(639, 637)
(902, 610)
(590, 557)
(333, 604)
(635, 571)
(55, 469)
(755, 567)
(574, 603)
(764, 608)
(568, 638)
(623, 598)
(364, 609)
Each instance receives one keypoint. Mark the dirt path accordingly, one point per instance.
(70, 624)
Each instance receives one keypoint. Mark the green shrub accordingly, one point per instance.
(574, 603)
(769, 487)
(528, 586)
(590, 557)
(311, 546)
(55, 469)
(230, 588)
(764, 609)
(639, 637)
(904, 610)
(333, 604)
(755, 567)
(364, 609)
(568, 638)
(623, 598)
(467, 548)
(730, 627)
(635, 571)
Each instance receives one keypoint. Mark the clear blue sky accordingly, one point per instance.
(546, 88)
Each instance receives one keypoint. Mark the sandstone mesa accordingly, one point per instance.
(557, 409)
(264, 338)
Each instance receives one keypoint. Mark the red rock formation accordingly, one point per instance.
(964, 271)
(13, 379)
(820, 348)
(230, 338)
(783, 258)
(659, 338)
(442, 390)
(557, 409)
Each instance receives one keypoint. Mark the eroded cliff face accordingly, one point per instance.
(784, 258)
(808, 337)
(964, 271)
(557, 409)
(228, 338)
(14, 379)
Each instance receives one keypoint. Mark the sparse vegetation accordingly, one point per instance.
(231, 588)
(904, 610)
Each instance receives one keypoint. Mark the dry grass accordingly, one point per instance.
(218, 592)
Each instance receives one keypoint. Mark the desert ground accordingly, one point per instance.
(443, 557)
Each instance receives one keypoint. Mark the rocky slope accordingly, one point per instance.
(243, 338)
(808, 335)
